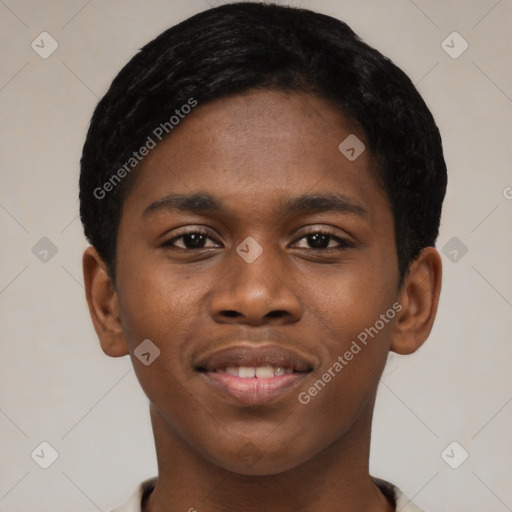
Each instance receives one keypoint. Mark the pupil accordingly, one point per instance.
(194, 241)
(318, 241)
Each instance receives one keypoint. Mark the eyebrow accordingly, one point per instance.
(325, 203)
(205, 203)
(199, 203)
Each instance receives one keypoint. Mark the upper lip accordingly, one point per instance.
(244, 354)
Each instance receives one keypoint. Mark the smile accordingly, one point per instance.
(260, 372)
(253, 375)
(254, 390)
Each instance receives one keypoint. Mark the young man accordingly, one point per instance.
(262, 192)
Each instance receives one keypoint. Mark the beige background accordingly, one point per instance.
(56, 385)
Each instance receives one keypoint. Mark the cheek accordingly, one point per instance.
(158, 307)
(354, 318)
(348, 299)
(153, 301)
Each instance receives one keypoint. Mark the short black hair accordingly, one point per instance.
(241, 46)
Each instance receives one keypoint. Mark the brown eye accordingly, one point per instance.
(319, 240)
(190, 241)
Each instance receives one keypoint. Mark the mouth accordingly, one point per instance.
(254, 375)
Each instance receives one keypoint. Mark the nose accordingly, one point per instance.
(255, 293)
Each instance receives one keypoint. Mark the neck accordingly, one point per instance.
(336, 479)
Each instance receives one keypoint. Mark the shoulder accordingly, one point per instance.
(393, 493)
(396, 496)
(134, 503)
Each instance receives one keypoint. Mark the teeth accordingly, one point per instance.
(264, 372)
(245, 372)
(261, 372)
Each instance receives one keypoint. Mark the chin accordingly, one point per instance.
(251, 461)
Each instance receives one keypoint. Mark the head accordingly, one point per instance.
(223, 214)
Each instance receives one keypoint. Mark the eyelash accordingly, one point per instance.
(343, 243)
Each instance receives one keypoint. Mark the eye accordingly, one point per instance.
(322, 240)
(316, 240)
(191, 240)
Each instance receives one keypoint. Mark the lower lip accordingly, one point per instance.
(254, 391)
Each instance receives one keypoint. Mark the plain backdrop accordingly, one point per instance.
(57, 386)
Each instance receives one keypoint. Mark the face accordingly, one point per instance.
(253, 253)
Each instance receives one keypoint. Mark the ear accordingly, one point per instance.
(419, 297)
(103, 305)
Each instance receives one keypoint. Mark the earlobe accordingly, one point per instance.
(103, 304)
(419, 297)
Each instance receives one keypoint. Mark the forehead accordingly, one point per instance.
(260, 147)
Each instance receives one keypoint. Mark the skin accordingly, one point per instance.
(252, 153)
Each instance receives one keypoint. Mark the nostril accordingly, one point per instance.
(230, 313)
(276, 314)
